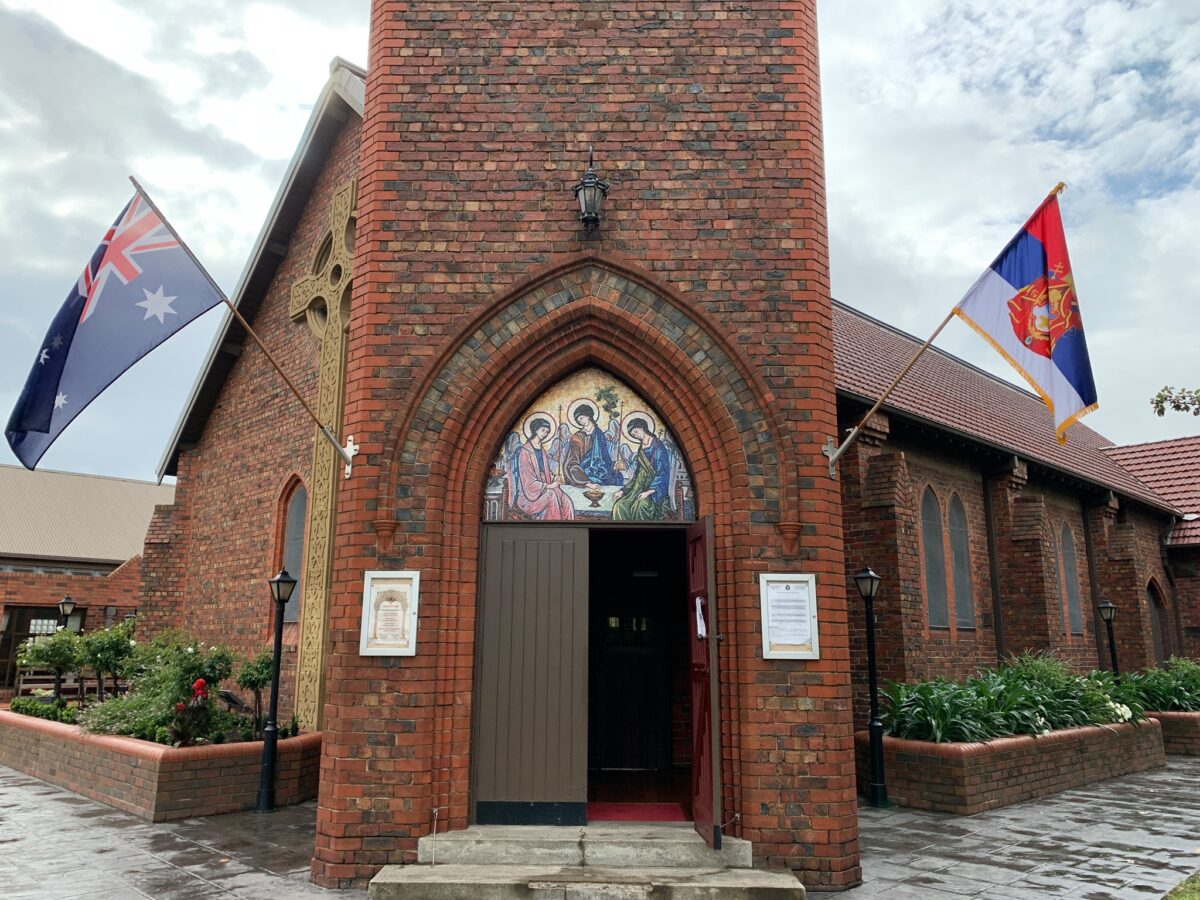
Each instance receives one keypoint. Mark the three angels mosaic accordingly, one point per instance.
(589, 448)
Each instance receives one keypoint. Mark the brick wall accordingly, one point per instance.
(91, 593)
(965, 779)
(152, 781)
(1180, 731)
(1185, 573)
(209, 555)
(705, 288)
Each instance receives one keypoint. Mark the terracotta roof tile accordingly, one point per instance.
(1172, 469)
(944, 390)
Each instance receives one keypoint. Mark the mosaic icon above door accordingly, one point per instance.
(589, 449)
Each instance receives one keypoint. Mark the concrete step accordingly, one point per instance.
(614, 844)
(515, 882)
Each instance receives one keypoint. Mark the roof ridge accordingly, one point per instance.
(1186, 437)
(151, 483)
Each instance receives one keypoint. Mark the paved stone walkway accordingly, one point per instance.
(55, 844)
(1131, 837)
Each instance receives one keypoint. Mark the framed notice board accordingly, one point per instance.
(789, 616)
(389, 616)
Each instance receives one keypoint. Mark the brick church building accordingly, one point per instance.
(591, 445)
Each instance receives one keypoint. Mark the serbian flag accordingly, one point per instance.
(1024, 305)
(141, 286)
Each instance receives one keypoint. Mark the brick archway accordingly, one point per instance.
(436, 471)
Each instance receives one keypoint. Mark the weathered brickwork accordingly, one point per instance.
(1181, 732)
(209, 555)
(1185, 574)
(706, 289)
(966, 779)
(93, 594)
(154, 782)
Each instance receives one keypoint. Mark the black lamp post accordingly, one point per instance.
(66, 606)
(1108, 612)
(282, 586)
(130, 619)
(590, 192)
(868, 587)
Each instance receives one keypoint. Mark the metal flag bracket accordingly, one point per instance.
(347, 453)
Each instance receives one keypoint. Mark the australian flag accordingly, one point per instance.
(140, 287)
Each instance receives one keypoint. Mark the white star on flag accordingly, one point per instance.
(60, 400)
(57, 342)
(43, 356)
(157, 305)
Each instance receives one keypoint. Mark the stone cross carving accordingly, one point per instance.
(322, 299)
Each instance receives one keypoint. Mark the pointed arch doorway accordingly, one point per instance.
(595, 674)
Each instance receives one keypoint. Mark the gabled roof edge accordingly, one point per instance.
(345, 87)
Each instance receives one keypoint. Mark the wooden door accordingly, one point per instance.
(706, 717)
(529, 755)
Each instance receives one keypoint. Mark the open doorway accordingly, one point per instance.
(639, 704)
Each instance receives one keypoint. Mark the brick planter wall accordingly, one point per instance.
(1180, 731)
(965, 779)
(152, 781)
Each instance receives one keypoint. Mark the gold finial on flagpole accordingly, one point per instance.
(1058, 189)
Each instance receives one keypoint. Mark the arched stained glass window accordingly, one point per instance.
(960, 561)
(935, 561)
(1160, 625)
(1071, 580)
(293, 548)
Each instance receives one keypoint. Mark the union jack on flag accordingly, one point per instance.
(140, 287)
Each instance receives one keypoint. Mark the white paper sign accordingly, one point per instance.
(389, 616)
(789, 616)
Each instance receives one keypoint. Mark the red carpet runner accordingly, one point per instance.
(636, 812)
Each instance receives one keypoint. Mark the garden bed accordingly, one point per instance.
(1181, 732)
(968, 778)
(153, 781)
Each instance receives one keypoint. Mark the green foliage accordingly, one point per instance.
(292, 729)
(1173, 688)
(1029, 694)
(161, 673)
(255, 673)
(58, 711)
(58, 652)
(105, 651)
(1176, 399)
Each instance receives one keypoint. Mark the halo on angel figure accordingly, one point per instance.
(529, 420)
(637, 414)
(576, 405)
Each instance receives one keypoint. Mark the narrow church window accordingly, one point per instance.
(292, 557)
(960, 558)
(1071, 580)
(935, 560)
(1058, 582)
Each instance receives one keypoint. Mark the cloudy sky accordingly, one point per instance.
(946, 121)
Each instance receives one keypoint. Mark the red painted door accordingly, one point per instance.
(702, 625)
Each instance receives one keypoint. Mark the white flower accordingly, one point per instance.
(61, 628)
(191, 649)
(132, 643)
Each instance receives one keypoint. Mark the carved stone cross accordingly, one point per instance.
(322, 298)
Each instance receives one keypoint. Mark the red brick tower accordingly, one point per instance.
(705, 288)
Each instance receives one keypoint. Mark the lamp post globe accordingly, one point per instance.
(66, 606)
(282, 586)
(868, 583)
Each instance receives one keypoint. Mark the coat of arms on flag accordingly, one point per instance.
(1024, 305)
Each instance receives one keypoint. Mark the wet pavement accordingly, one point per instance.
(1131, 837)
(55, 844)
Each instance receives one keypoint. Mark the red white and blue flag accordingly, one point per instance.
(1024, 305)
(140, 287)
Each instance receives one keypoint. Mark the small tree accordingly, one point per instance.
(255, 676)
(59, 652)
(1176, 399)
(105, 652)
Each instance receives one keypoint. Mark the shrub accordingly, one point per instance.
(105, 652)
(58, 711)
(161, 674)
(1173, 688)
(1029, 694)
(255, 676)
(58, 652)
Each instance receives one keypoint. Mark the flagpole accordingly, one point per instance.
(835, 451)
(345, 454)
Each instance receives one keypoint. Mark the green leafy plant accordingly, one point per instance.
(1034, 693)
(1173, 688)
(58, 652)
(57, 711)
(255, 676)
(293, 727)
(105, 652)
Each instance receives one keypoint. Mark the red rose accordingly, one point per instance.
(179, 707)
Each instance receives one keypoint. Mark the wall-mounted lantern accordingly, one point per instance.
(590, 192)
